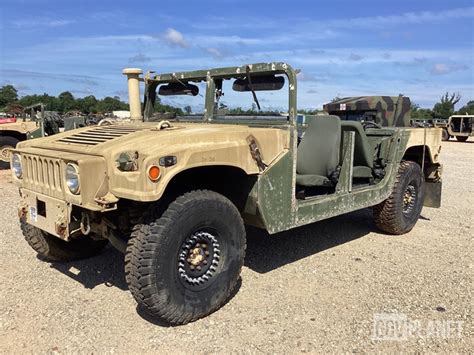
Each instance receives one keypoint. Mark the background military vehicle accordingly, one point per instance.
(35, 122)
(174, 195)
(461, 127)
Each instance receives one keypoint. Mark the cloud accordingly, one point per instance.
(355, 57)
(441, 68)
(214, 52)
(73, 78)
(174, 38)
(405, 18)
(312, 91)
(41, 22)
(139, 58)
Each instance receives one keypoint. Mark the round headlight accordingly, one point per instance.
(16, 165)
(72, 178)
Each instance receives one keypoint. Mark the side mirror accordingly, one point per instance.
(259, 83)
(178, 89)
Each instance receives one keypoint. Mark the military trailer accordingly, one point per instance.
(174, 195)
(461, 127)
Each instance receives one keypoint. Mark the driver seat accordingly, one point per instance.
(317, 159)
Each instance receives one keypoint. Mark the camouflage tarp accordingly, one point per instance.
(388, 111)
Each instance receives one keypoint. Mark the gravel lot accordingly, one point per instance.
(313, 289)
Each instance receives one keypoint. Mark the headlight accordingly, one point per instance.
(16, 165)
(72, 178)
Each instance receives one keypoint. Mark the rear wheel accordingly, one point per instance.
(399, 213)
(6, 144)
(51, 248)
(445, 135)
(185, 263)
(461, 138)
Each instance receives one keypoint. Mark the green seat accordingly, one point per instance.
(318, 153)
(363, 151)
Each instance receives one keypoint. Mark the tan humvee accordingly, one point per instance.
(174, 194)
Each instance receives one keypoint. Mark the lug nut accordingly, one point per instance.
(204, 246)
(205, 262)
(198, 245)
(199, 268)
(207, 253)
(192, 267)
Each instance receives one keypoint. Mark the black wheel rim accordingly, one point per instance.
(409, 199)
(198, 260)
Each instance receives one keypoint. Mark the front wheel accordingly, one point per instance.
(6, 145)
(445, 135)
(399, 213)
(184, 264)
(51, 248)
(462, 138)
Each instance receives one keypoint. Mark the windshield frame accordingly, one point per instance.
(152, 81)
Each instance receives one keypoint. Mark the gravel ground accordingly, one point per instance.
(313, 289)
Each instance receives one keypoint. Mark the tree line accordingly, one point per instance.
(65, 102)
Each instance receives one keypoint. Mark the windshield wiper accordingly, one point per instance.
(255, 99)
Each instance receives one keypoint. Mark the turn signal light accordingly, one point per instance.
(154, 173)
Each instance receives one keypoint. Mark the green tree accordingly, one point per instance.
(8, 95)
(420, 113)
(87, 104)
(445, 107)
(67, 101)
(188, 109)
(467, 108)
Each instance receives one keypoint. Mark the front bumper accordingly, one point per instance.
(47, 213)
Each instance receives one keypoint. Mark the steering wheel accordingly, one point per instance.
(370, 124)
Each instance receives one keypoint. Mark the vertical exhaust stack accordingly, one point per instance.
(133, 77)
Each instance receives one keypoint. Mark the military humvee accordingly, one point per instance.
(174, 195)
(461, 127)
(34, 123)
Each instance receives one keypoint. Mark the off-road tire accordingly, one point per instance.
(152, 260)
(390, 215)
(51, 248)
(10, 142)
(461, 138)
(445, 135)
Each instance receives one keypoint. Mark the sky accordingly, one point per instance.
(344, 48)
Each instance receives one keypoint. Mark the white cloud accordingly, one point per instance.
(441, 68)
(175, 38)
(41, 22)
(214, 52)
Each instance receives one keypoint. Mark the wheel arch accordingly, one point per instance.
(230, 181)
(13, 134)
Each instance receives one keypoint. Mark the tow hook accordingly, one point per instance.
(22, 212)
(85, 224)
(60, 228)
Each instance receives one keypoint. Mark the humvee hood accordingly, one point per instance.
(100, 140)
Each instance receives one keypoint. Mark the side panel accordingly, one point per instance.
(281, 211)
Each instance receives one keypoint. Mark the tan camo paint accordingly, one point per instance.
(22, 127)
(194, 145)
(432, 137)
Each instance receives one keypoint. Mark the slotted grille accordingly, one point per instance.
(43, 175)
(99, 135)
